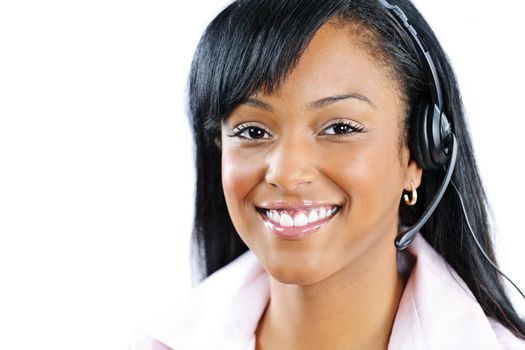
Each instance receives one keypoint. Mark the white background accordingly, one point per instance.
(96, 170)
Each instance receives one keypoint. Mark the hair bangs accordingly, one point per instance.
(251, 46)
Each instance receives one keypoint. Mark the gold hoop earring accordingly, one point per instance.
(413, 201)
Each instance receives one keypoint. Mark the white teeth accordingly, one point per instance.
(276, 216)
(300, 220)
(313, 217)
(286, 220)
(273, 215)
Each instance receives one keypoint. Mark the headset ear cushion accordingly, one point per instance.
(418, 141)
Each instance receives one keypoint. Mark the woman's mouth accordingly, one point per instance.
(297, 223)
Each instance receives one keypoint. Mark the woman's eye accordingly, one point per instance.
(255, 133)
(250, 132)
(342, 128)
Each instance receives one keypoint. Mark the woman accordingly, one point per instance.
(313, 158)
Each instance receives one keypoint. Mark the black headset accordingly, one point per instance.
(433, 142)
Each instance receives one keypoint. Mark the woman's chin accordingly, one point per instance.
(302, 274)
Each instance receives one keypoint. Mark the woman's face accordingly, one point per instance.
(313, 174)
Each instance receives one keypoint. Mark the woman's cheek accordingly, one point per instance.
(240, 175)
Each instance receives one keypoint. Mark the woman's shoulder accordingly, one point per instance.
(438, 308)
(223, 309)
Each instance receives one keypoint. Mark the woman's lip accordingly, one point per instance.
(294, 232)
(296, 205)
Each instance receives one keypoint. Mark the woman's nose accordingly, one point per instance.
(291, 164)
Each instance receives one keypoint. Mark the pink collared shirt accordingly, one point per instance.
(436, 312)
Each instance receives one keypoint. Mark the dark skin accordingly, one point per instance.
(330, 135)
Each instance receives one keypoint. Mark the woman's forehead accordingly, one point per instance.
(335, 64)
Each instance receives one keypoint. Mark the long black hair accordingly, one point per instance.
(253, 44)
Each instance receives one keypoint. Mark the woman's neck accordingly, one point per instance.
(354, 308)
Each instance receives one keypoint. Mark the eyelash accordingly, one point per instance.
(354, 128)
(239, 130)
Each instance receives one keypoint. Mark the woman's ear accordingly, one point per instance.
(414, 173)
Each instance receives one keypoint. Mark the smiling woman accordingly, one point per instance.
(314, 152)
(313, 122)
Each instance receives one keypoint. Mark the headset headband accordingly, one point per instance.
(429, 68)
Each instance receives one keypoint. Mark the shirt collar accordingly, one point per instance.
(437, 310)
(221, 313)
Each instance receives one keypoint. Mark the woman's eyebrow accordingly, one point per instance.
(325, 101)
(250, 101)
(333, 99)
